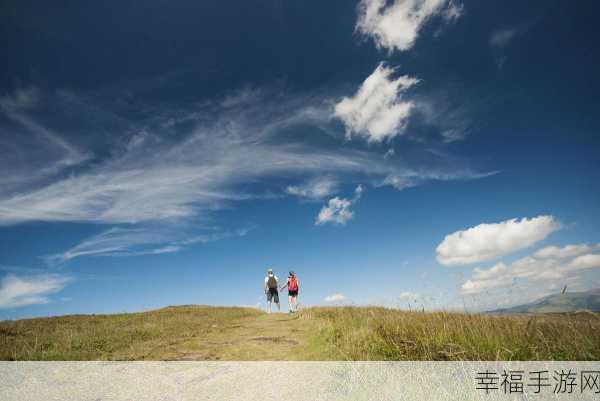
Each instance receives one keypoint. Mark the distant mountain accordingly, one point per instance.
(567, 302)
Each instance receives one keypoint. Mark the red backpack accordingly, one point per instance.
(293, 283)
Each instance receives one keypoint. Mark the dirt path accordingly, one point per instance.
(278, 336)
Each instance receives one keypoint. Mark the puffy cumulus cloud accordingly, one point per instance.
(396, 26)
(503, 275)
(337, 210)
(316, 188)
(337, 297)
(490, 241)
(377, 111)
(18, 291)
(539, 269)
(585, 262)
(566, 251)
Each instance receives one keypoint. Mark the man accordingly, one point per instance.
(293, 286)
(271, 292)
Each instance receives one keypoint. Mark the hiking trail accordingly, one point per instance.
(276, 336)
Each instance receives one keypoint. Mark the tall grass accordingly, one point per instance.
(131, 336)
(354, 333)
(344, 333)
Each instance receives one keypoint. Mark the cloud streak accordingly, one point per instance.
(18, 291)
(136, 241)
(193, 172)
(29, 150)
(316, 188)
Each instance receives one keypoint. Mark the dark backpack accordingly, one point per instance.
(272, 282)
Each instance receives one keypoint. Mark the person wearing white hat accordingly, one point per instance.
(271, 284)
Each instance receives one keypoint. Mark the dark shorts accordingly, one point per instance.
(293, 293)
(273, 294)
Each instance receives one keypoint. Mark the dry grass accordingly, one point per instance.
(132, 336)
(349, 333)
(386, 334)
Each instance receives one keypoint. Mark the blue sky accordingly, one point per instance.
(435, 153)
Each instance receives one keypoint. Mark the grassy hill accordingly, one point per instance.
(348, 333)
(560, 303)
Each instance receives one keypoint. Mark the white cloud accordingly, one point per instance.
(159, 180)
(566, 251)
(136, 241)
(316, 188)
(502, 37)
(377, 111)
(337, 297)
(29, 290)
(585, 262)
(540, 270)
(30, 152)
(408, 296)
(453, 11)
(490, 241)
(337, 210)
(396, 26)
(449, 110)
(527, 269)
(408, 178)
(153, 177)
(116, 241)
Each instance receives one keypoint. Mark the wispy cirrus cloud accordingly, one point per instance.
(181, 164)
(17, 291)
(502, 37)
(29, 150)
(119, 241)
(396, 25)
(316, 188)
(204, 163)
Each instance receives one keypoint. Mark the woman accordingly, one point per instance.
(293, 286)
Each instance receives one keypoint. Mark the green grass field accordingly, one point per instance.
(344, 333)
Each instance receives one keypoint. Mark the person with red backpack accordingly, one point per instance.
(293, 286)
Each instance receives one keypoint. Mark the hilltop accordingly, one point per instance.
(344, 333)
